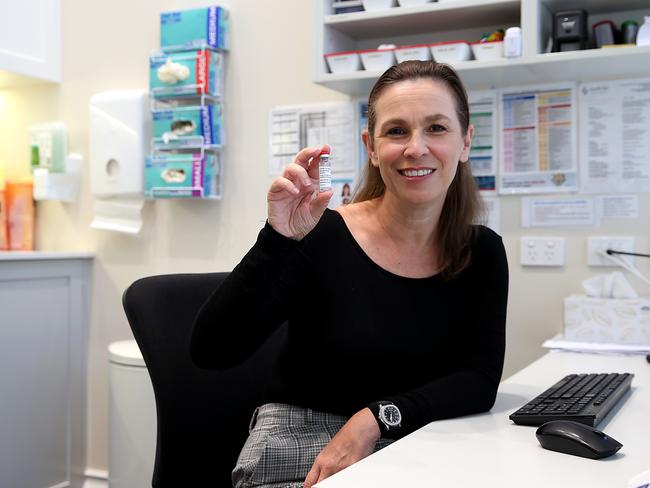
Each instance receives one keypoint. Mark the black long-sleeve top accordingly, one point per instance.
(359, 333)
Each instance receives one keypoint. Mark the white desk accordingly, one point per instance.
(488, 450)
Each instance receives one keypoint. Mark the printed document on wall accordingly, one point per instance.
(538, 139)
(615, 136)
(618, 206)
(482, 114)
(493, 208)
(292, 128)
(554, 212)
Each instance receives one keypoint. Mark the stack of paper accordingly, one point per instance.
(559, 343)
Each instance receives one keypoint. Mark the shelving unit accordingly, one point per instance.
(468, 20)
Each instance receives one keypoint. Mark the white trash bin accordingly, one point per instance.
(132, 418)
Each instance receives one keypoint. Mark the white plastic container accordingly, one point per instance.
(132, 418)
(344, 62)
(643, 36)
(512, 42)
(377, 59)
(411, 3)
(378, 4)
(419, 52)
(451, 52)
(484, 51)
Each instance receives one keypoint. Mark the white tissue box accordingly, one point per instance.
(609, 320)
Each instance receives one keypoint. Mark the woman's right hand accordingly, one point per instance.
(294, 204)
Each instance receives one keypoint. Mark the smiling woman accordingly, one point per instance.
(381, 338)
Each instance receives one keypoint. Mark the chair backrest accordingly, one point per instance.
(202, 415)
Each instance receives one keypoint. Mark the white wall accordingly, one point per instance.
(105, 47)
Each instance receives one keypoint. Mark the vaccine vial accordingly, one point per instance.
(324, 172)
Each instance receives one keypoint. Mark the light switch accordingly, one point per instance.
(542, 251)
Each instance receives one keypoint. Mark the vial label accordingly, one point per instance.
(324, 177)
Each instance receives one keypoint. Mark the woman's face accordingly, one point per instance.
(418, 140)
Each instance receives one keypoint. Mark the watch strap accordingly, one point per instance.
(374, 408)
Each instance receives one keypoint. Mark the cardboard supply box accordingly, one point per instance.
(195, 28)
(609, 320)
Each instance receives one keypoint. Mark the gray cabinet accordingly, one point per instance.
(44, 302)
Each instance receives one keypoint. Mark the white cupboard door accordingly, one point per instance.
(30, 38)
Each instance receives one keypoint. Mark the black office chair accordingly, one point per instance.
(203, 416)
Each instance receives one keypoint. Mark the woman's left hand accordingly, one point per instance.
(355, 441)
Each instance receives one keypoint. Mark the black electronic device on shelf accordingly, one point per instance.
(570, 31)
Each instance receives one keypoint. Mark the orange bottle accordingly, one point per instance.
(4, 241)
(20, 215)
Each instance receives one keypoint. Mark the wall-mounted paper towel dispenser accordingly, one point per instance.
(119, 136)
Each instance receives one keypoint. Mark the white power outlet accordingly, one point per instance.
(602, 243)
(542, 251)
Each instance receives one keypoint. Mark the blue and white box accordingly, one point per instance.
(192, 73)
(191, 29)
(189, 126)
(183, 175)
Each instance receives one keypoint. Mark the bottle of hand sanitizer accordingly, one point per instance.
(643, 36)
(324, 172)
(4, 241)
(512, 42)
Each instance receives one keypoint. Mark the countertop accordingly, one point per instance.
(44, 255)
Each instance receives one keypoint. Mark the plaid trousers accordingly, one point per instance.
(282, 445)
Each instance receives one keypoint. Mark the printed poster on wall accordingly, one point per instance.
(493, 209)
(538, 139)
(362, 123)
(292, 128)
(344, 183)
(483, 158)
(615, 136)
(342, 187)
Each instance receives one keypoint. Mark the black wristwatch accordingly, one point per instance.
(388, 416)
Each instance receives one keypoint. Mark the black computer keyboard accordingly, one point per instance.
(584, 398)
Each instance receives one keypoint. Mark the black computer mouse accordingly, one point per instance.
(575, 438)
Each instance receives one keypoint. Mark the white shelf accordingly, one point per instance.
(593, 63)
(596, 6)
(427, 17)
(577, 65)
(468, 19)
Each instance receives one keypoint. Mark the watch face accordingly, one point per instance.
(391, 415)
